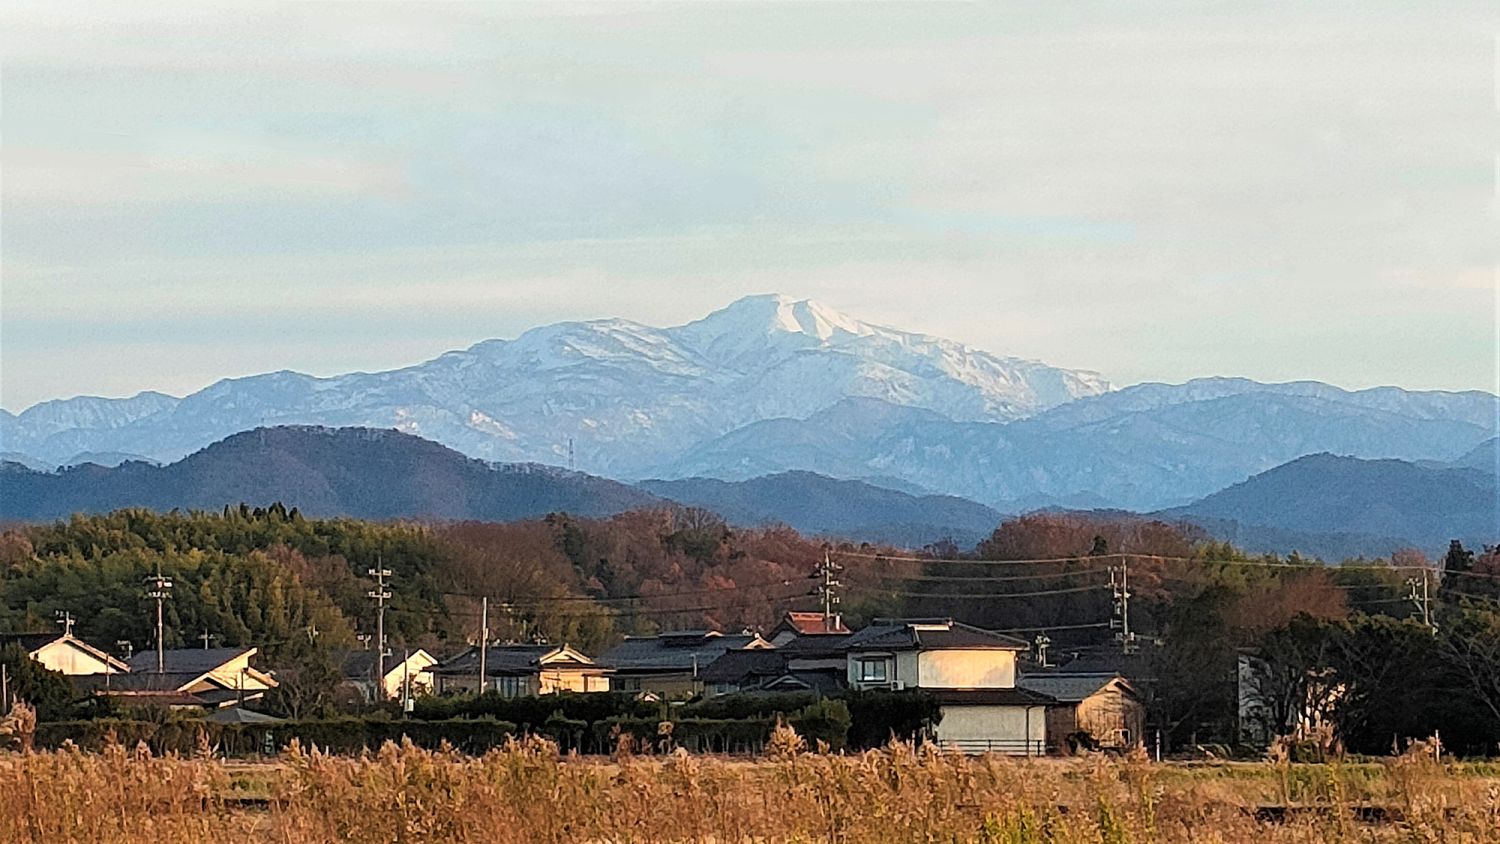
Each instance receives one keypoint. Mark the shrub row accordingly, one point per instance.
(341, 735)
(584, 721)
(825, 721)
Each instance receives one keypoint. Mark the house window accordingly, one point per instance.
(512, 686)
(872, 670)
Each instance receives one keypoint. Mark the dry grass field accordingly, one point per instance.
(527, 793)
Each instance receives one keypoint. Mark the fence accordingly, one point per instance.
(1010, 747)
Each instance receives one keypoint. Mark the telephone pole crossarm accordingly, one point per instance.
(380, 595)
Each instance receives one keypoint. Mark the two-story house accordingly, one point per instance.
(969, 672)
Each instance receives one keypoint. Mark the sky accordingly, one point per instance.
(1153, 191)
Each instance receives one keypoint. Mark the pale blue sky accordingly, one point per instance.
(1157, 192)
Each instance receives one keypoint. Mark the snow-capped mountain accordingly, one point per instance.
(628, 397)
(1143, 448)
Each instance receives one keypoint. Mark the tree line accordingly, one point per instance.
(296, 587)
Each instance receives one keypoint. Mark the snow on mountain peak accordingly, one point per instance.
(774, 313)
(629, 395)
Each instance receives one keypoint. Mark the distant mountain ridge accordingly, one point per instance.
(363, 473)
(628, 396)
(1321, 504)
(1323, 500)
(385, 474)
(770, 384)
(820, 505)
(1140, 448)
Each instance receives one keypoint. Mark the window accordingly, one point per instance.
(872, 670)
(512, 686)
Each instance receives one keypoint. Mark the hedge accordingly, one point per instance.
(535, 711)
(825, 721)
(342, 735)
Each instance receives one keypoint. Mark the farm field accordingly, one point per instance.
(526, 792)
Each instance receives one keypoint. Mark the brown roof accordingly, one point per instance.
(811, 623)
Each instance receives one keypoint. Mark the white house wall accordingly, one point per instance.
(976, 669)
(72, 661)
(1006, 729)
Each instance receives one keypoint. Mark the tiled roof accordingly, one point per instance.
(811, 624)
(911, 634)
(817, 645)
(678, 651)
(1067, 687)
(736, 666)
(193, 660)
(989, 697)
(500, 660)
(241, 715)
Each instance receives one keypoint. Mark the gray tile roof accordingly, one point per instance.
(816, 645)
(1068, 688)
(677, 651)
(989, 697)
(499, 661)
(186, 660)
(911, 634)
(241, 715)
(738, 666)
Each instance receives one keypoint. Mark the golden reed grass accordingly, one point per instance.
(525, 792)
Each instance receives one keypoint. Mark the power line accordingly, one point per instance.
(536, 601)
(988, 595)
(911, 558)
(1051, 627)
(1012, 578)
(1166, 558)
(651, 611)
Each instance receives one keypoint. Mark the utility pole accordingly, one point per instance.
(828, 585)
(206, 637)
(1042, 642)
(65, 621)
(160, 589)
(484, 638)
(1119, 584)
(1423, 600)
(406, 706)
(379, 595)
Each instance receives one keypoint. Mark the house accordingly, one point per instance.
(65, 653)
(969, 672)
(670, 665)
(521, 671)
(190, 678)
(403, 671)
(797, 624)
(796, 662)
(1093, 710)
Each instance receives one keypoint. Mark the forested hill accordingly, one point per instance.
(384, 474)
(822, 505)
(358, 472)
(1347, 504)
